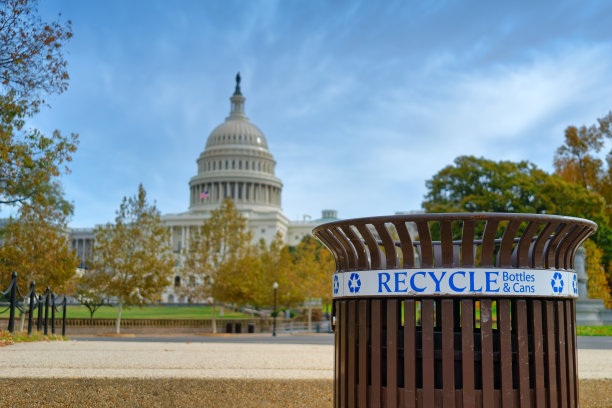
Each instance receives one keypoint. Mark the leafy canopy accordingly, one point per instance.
(132, 259)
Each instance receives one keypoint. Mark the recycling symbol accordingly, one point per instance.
(557, 283)
(336, 284)
(354, 283)
(575, 284)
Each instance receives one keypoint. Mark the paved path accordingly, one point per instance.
(71, 359)
(322, 339)
(122, 359)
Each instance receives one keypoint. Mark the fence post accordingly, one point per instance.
(31, 315)
(52, 313)
(11, 325)
(64, 317)
(47, 311)
(40, 313)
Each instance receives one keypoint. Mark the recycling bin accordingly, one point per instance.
(455, 310)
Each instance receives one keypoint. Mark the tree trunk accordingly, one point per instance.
(309, 318)
(118, 323)
(214, 315)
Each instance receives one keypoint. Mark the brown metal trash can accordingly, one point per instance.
(455, 310)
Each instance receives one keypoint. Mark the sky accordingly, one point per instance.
(360, 102)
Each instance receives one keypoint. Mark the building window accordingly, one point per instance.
(177, 281)
(170, 298)
(246, 165)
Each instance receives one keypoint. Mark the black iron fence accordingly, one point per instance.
(31, 302)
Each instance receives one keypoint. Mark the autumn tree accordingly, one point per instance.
(32, 65)
(217, 255)
(132, 260)
(314, 268)
(274, 264)
(35, 244)
(579, 161)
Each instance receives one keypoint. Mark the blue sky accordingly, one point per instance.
(361, 102)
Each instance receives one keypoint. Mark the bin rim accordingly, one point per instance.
(458, 216)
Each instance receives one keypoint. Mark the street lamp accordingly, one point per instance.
(275, 286)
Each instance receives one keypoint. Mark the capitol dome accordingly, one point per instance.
(236, 163)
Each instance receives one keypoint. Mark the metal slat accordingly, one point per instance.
(505, 345)
(376, 354)
(551, 358)
(448, 354)
(427, 319)
(352, 353)
(467, 352)
(446, 235)
(488, 243)
(406, 245)
(392, 355)
(343, 354)
(538, 354)
(562, 353)
(409, 354)
(426, 245)
(486, 333)
(467, 243)
(523, 354)
(338, 350)
(571, 369)
(364, 364)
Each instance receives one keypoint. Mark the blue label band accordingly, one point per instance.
(456, 282)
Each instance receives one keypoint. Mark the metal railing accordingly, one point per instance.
(41, 302)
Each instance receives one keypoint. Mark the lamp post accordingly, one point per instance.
(275, 286)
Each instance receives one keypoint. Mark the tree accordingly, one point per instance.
(274, 264)
(132, 260)
(314, 267)
(32, 65)
(478, 184)
(217, 254)
(36, 245)
(88, 295)
(29, 160)
(577, 161)
(31, 52)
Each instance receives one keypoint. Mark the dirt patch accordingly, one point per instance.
(202, 393)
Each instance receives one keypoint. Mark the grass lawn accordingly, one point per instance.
(7, 338)
(594, 330)
(148, 312)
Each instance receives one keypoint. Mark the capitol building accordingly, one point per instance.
(235, 163)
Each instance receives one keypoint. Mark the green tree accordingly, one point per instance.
(132, 260)
(477, 184)
(218, 254)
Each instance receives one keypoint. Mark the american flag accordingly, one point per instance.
(204, 194)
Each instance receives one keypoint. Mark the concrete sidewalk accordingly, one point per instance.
(117, 359)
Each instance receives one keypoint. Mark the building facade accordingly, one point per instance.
(236, 163)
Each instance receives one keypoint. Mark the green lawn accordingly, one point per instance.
(594, 330)
(149, 312)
